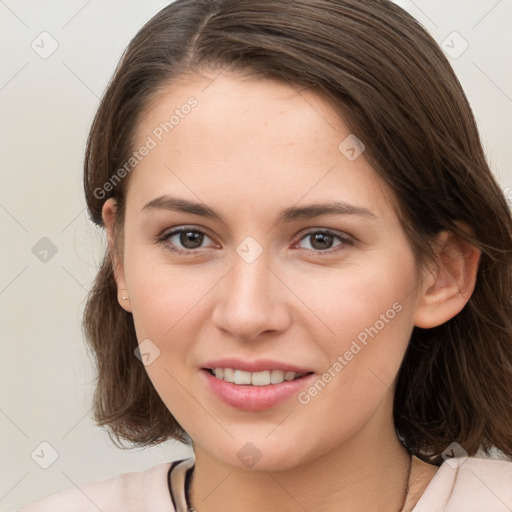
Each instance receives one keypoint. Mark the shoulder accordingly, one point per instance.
(486, 480)
(134, 491)
(471, 484)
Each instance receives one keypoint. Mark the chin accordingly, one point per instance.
(261, 455)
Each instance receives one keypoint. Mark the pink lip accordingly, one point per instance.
(253, 366)
(254, 398)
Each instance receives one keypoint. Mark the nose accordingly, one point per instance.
(252, 301)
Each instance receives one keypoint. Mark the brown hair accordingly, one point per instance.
(396, 90)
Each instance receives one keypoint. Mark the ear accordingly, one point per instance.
(448, 285)
(108, 214)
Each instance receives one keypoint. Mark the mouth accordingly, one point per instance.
(254, 385)
(260, 378)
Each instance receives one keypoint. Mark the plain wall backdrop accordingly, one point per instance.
(57, 57)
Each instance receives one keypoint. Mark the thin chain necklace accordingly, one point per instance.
(405, 491)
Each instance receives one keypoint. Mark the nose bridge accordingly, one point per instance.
(251, 277)
(250, 263)
(250, 301)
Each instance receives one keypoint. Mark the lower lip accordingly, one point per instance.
(254, 398)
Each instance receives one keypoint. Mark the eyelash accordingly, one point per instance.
(193, 252)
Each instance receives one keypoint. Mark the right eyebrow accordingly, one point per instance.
(182, 205)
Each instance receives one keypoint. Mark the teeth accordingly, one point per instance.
(242, 377)
(219, 372)
(263, 378)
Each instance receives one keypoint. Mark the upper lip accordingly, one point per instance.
(259, 365)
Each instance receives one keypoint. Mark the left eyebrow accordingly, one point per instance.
(287, 215)
(315, 210)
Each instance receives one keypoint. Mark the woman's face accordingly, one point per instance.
(295, 266)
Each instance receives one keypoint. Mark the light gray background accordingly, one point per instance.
(47, 105)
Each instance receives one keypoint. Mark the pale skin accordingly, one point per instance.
(249, 150)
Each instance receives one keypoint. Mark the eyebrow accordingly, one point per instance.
(289, 214)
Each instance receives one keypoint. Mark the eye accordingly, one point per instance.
(183, 240)
(321, 241)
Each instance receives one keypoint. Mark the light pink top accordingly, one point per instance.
(471, 485)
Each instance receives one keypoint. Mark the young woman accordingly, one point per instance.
(309, 267)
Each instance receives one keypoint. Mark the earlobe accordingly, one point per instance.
(449, 284)
(108, 213)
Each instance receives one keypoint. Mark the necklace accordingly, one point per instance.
(405, 491)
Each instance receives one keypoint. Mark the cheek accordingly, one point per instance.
(369, 313)
(371, 317)
(164, 303)
(169, 307)
(350, 300)
(153, 302)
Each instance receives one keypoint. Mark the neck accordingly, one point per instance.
(367, 472)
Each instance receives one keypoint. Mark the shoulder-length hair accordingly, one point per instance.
(396, 90)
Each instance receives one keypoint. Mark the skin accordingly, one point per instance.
(248, 150)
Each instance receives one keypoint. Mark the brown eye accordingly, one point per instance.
(191, 239)
(184, 240)
(322, 241)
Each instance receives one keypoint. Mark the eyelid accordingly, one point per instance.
(341, 234)
(185, 227)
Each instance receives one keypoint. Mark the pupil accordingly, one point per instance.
(325, 239)
(190, 239)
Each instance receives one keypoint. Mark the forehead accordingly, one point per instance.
(267, 104)
(252, 139)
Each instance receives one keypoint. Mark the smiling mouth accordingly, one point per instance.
(263, 378)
